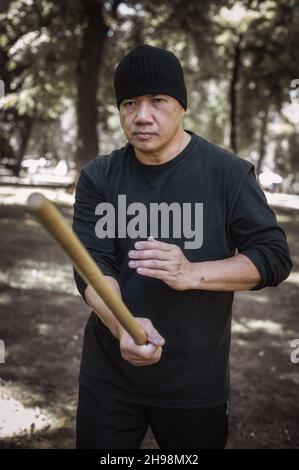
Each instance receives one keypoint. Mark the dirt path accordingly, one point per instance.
(42, 319)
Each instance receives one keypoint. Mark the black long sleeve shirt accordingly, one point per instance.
(194, 367)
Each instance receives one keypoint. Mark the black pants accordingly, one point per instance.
(104, 422)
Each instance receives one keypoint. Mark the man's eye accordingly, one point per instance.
(158, 100)
(129, 103)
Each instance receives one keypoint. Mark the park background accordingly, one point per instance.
(57, 111)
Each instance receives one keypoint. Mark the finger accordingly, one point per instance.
(156, 357)
(146, 361)
(152, 245)
(144, 352)
(157, 340)
(137, 349)
(151, 263)
(155, 273)
(153, 335)
(149, 254)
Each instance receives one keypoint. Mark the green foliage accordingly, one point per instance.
(41, 40)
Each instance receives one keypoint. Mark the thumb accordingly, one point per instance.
(155, 338)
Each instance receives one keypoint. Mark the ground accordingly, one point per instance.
(42, 322)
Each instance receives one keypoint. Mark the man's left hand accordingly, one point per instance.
(161, 261)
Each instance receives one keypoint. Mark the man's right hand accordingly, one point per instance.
(143, 355)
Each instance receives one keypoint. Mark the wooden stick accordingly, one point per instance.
(85, 265)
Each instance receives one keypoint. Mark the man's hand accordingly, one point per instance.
(162, 261)
(143, 355)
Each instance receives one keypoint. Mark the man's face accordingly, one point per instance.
(150, 122)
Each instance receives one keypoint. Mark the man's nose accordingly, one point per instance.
(143, 113)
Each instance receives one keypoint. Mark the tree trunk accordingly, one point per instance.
(262, 140)
(25, 126)
(138, 31)
(91, 56)
(233, 96)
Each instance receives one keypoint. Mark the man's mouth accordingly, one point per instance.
(144, 135)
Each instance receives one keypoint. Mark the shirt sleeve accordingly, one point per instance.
(102, 250)
(256, 234)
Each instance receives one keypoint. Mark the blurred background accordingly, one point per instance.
(57, 111)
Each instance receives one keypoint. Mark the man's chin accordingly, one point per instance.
(148, 145)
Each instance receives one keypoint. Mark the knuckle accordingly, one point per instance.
(148, 356)
(145, 321)
(124, 356)
(157, 358)
(123, 352)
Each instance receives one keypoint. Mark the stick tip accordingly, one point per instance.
(36, 200)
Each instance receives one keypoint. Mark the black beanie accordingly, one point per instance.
(149, 70)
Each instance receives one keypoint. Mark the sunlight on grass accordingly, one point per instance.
(249, 326)
(16, 418)
(15, 195)
(29, 274)
(44, 329)
(259, 298)
(31, 222)
(284, 219)
(293, 278)
(5, 299)
(290, 201)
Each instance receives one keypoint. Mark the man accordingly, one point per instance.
(176, 273)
